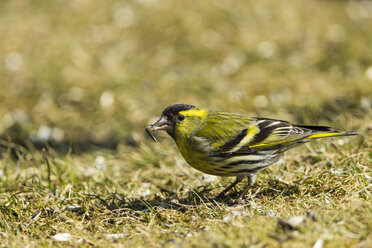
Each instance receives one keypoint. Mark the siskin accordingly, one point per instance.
(228, 144)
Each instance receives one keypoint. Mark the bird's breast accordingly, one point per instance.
(195, 150)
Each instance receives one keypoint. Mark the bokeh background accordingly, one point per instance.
(90, 72)
(83, 78)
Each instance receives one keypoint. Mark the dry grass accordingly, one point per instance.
(85, 77)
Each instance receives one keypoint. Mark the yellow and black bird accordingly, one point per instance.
(228, 144)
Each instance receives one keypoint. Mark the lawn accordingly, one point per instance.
(80, 80)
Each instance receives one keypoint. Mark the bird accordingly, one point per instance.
(233, 145)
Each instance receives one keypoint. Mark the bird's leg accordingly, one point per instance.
(223, 193)
(251, 181)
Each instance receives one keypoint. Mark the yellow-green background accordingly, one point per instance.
(90, 75)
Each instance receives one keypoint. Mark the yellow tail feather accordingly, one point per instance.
(330, 134)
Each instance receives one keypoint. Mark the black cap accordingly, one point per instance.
(176, 108)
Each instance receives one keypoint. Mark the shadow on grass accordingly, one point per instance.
(109, 206)
(200, 196)
(168, 200)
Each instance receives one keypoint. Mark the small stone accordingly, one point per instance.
(115, 235)
(318, 243)
(62, 237)
(292, 223)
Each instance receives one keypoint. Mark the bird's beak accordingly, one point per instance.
(161, 124)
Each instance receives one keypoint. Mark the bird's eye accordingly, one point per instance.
(181, 117)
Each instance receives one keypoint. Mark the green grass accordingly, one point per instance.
(89, 76)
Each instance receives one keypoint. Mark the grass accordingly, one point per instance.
(80, 80)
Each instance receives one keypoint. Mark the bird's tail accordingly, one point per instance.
(324, 132)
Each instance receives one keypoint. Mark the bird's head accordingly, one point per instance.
(179, 119)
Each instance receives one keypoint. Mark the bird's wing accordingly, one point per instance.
(271, 133)
(235, 134)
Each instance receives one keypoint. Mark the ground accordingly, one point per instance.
(81, 79)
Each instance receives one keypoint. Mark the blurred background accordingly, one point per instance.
(86, 73)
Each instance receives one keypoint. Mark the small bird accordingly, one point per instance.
(229, 144)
